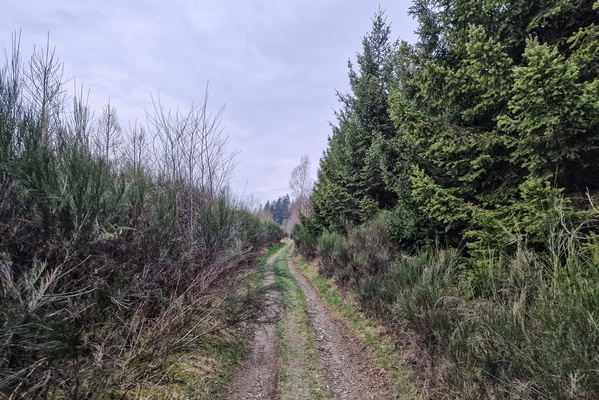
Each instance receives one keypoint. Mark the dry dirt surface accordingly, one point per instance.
(257, 376)
(350, 372)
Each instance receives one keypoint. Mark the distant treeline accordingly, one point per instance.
(279, 209)
(457, 194)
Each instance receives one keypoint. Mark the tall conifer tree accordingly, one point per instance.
(350, 183)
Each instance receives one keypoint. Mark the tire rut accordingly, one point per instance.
(257, 376)
(351, 372)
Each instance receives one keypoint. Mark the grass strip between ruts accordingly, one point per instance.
(368, 331)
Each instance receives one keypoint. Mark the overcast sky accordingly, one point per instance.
(273, 64)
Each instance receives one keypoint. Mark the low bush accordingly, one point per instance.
(305, 238)
(366, 251)
(531, 335)
(370, 247)
(334, 252)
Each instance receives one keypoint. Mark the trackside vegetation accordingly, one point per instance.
(122, 254)
(457, 196)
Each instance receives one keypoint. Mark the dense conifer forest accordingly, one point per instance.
(458, 192)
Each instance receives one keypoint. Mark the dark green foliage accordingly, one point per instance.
(350, 184)
(255, 232)
(305, 235)
(465, 209)
(486, 119)
(279, 209)
(493, 97)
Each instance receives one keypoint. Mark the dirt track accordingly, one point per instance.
(350, 373)
(257, 376)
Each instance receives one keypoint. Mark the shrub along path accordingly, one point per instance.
(313, 354)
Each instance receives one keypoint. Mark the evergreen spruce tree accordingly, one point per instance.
(494, 106)
(350, 184)
(280, 209)
(495, 98)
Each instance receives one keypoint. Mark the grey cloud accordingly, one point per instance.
(275, 64)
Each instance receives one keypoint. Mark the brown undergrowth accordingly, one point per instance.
(113, 268)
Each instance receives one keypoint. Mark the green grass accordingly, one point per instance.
(204, 375)
(262, 263)
(301, 376)
(272, 250)
(380, 347)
